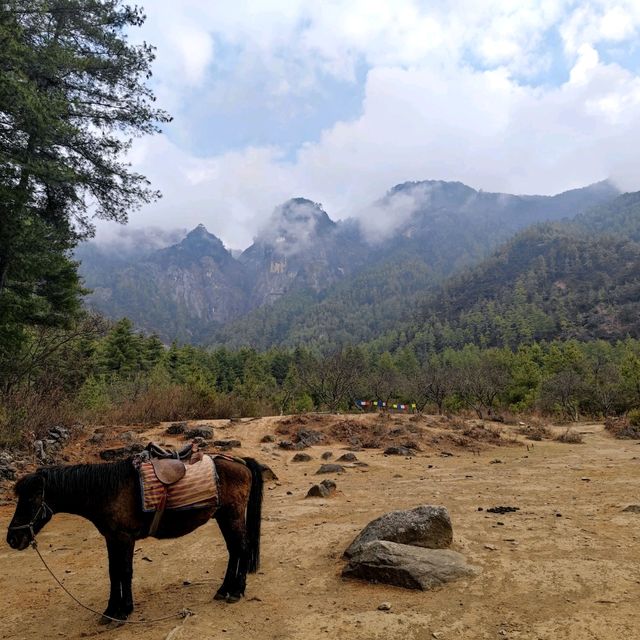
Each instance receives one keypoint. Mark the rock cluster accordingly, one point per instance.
(407, 549)
(7, 466)
(47, 447)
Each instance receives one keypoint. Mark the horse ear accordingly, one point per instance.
(30, 484)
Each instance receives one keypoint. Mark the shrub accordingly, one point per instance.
(570, 437)
(622, 428)
(634, 417)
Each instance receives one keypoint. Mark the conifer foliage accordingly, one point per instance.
(73, 94)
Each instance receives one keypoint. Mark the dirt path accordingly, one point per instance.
(566, 566)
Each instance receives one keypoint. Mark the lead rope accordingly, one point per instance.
(183, 613)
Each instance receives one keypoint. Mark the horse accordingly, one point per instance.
(109, 496)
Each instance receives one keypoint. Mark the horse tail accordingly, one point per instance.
(254, 514)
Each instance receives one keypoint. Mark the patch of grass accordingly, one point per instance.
(536, 432)
(570, 437)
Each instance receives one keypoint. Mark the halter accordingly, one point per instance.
(44, 510)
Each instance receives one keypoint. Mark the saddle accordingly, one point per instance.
(169, 466)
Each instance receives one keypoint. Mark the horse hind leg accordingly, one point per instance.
(232, 526)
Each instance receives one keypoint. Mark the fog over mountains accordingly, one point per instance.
(416, 235)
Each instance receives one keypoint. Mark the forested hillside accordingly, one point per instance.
(307, 279)
(549, 282)
(446, 226)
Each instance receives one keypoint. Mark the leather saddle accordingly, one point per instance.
(170, 466)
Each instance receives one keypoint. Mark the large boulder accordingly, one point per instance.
(407, 566)
(424, 526)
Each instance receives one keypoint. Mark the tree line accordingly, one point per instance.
(101, 372)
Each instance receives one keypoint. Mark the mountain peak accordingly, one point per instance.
(294, 225)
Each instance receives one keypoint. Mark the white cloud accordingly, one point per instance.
(429, 111)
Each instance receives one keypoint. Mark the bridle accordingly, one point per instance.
(43, 512)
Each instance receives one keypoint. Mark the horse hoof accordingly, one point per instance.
(116, 621)
(232, 598)
(117, 618)
(221, 595)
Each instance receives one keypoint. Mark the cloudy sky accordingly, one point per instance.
(339, 100)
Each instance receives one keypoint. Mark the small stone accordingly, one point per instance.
(203, 431)
(327, 455)
(585, 479)
(398, 451)
(491, 547)
(632, 508)
(301, 457)
(225, 445)
(330, 468)
(323, 490)
(268, 438)
(384, 606)
(347, 457)
(176, 428)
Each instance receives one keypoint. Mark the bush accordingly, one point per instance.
(570, 437)
(622, 428)
(634, 417)
(27, 414)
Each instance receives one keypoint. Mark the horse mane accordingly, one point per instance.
(103, 479)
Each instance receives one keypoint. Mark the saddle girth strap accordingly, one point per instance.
(157, 516)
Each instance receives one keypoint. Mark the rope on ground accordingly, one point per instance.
(183, 613)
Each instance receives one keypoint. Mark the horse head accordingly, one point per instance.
(32, 512)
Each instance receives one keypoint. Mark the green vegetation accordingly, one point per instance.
(110, 374)
(72, 94)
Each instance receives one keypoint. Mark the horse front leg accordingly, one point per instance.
(120, 604)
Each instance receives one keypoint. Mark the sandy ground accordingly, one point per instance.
(565, 566)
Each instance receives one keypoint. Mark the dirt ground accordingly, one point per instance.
(565, 566)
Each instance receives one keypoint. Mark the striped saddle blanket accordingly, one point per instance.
(198, 487)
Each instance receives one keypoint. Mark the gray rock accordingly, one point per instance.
(176, 428)
(347, 457)
(407, 566)
(268, 473)
(309, 437)
(632, 508)
(227, 444)
(287, 445)
(327, 455)
(119, 453)
(268, 438)
(96, 438)
(301, 457)
(38, 447)
(398, 451)
(424, 526)
(330, 468)
(7, 471)
(323, 490)
(200, 442)
(202, 431)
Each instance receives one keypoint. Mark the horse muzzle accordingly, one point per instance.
(18, 540)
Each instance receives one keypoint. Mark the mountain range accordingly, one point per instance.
(309, 279)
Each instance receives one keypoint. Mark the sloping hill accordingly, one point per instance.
(550, 281)
(446, 227)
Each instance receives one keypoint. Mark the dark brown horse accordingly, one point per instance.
(108, 495)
